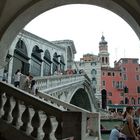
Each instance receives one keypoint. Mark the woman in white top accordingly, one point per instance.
(17, 76)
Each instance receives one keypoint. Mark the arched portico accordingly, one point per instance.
(22, 13)
(20, 58)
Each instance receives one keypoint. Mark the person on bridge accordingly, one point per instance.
(17, 77)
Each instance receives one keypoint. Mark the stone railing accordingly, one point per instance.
(49, 82)
(91, 119)
(26, 117)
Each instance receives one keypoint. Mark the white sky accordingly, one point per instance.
(84, 24)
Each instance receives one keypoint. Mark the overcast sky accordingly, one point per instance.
(84, 24)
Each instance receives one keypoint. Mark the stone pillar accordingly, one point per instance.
(83, 125)
(94, 125)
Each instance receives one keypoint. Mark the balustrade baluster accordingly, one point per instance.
(1, 103)
(47, 128)
(15, 113)
(58, 132)
(7, 108)
(35, 123)
(25, 119)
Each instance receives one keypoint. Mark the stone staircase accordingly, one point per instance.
(24, 116)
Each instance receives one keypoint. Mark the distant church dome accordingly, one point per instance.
(103, 42)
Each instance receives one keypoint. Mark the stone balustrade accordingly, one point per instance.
(57, 80)
(21, 117)
(92, 120)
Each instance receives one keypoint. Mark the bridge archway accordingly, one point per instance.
(23, 16)
(81, 99)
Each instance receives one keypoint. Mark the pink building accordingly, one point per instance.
(131, 80)
(121, 85)
(112, 85)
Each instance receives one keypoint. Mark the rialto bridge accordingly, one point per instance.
(14, 15)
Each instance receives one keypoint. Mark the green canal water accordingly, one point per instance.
(109, 124)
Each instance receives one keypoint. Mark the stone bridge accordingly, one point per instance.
(75, 89)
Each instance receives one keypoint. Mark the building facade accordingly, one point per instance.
(112, 87)
(130, 69)
(92, 68)
(38, 56)
(121, 84)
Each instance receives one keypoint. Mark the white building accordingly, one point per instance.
(92, 64)
(38, 56)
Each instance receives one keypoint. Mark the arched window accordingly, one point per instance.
(93, 72)
(94, 81)
(133, 101)
(138, 89)
(36, 61)
(36, 52)
(20, 46)
(109, 102)
(102, 59)
(139, 100)
(47, 63)
(20, 58)
(106, 60)
(121, 102)
(55, 62)
(126, 101)
(126, 89)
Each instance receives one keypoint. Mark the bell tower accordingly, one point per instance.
(103, 52)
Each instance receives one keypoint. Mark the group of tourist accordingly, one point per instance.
(130, 128)
(26, 83)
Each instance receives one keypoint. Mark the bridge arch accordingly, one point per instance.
(33, 9)
(81, 99)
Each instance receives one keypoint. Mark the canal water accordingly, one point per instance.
(109, 124)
